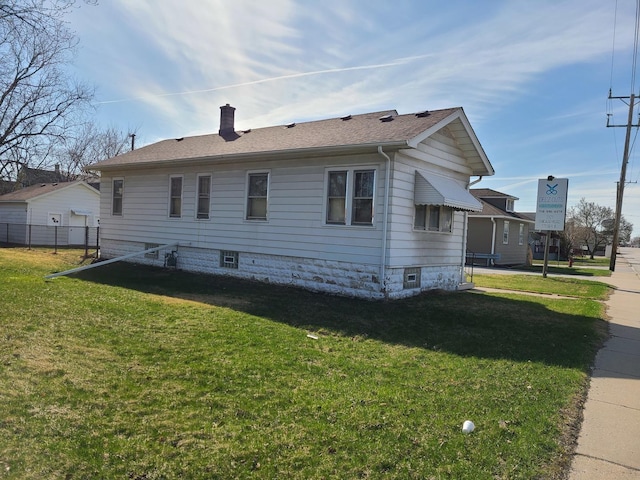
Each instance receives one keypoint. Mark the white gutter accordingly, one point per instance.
(107, 262)
(385, 221)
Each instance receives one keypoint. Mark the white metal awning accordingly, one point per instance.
(81, 212)
(433, 189)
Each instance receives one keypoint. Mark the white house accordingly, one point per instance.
(71, 205)
(370, 205)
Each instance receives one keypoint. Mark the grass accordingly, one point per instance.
(140, 373)
(555, 269)
(569, 287)
(579, 261)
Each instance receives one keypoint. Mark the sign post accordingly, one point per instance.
(551, 210)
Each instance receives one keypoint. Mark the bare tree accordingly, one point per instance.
(38, 100)
(591, 226)
(88, 145)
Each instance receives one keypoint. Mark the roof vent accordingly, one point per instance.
(424, 113)
(386, 118)
(346, 117)
(246, 131)
(290, 125)
(179, 139)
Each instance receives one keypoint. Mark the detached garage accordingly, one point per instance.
(35, 214)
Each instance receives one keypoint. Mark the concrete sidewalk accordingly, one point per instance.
(609, 441)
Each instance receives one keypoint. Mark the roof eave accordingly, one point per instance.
(458, 113)
(251, 156)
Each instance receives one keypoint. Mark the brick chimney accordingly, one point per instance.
(227, 114)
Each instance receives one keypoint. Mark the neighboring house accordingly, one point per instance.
(498, 231)
(369, 205)
(72, 205)
(35, 176)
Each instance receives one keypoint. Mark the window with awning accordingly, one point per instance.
(433, 189)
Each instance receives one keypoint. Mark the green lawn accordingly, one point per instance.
(571, 287)
(139, 373)
(555, 269)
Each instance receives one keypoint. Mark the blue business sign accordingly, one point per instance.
(551, 204)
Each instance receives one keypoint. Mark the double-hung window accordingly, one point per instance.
(257, 195)
(505, 232)
(350, 195)
(117, 195)
(175, 196)
(433, 218)
(337, 197)
(204, 196)
(521, 234)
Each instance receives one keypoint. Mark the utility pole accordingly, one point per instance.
(623, 175)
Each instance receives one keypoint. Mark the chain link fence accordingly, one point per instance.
(51, 236)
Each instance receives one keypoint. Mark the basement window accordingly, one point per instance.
(228, 259)
(411, 278)
(154, 254)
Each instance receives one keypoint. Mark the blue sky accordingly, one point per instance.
(532, 76)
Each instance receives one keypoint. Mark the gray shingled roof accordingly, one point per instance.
(489, 210)
(490, 193)
(357, 131)
(34, 191)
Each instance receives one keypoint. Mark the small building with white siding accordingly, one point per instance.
(372, 205)
(70, 205)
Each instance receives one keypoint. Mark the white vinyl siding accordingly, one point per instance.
(296, 213)
(408, 245)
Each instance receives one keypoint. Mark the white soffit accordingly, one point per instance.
(433, 189)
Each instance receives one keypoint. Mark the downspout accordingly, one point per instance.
(465, 229)
(385, 221)
(493, 236)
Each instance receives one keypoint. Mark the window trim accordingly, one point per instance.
(209, 195)
(521, 234)
(505, 232)
(113, 197)
(249, 174)
(171, 197)
(509, 207)
(350, 198)
(427, 218)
